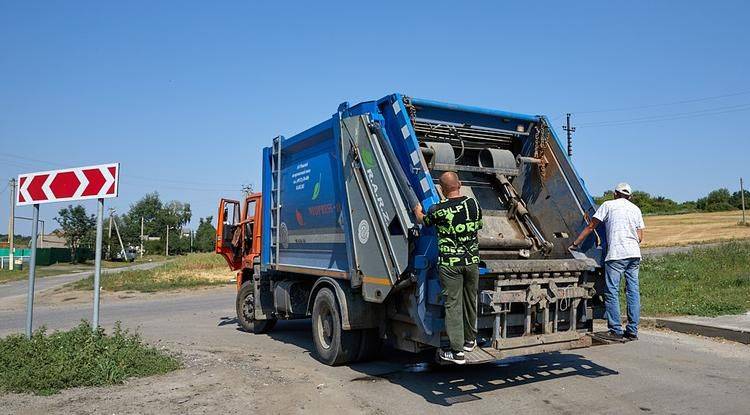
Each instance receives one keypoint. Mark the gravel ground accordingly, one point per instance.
(229, 371)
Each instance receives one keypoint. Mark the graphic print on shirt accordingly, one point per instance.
(457, 222)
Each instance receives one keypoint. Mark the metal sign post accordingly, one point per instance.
(32, 273)
(98, 262)
(742, 194)
(79, 183)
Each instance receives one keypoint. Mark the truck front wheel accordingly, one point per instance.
(333, 345)
(246, 311)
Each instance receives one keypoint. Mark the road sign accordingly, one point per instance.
(79, 183)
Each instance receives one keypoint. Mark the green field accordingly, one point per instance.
(187, 271)
(47, 363)
(704, 282)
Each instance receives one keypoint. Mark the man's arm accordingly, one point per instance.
(585, 233)
(640, 226)
(419, 213)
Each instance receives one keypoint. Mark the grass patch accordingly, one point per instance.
(704, 282)
(45, 364)
(188, 271)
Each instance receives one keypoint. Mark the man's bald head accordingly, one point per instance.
(449, 183)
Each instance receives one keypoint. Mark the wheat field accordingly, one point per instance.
(691, 228)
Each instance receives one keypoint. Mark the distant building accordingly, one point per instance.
(54, 239)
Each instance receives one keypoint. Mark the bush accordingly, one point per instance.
(46, 363)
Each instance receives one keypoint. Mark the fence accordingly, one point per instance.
(45, 256)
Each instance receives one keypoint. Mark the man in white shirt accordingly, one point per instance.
(624, 225)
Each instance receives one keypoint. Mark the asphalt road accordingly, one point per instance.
(20, 287)
(230, 371)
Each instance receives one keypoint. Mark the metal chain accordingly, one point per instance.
(541, 138)
(411, 109)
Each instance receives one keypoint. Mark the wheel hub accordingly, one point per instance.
(248, 307)
(325, 328)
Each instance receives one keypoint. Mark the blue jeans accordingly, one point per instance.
(613, 271)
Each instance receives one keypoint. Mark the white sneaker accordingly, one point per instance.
(470, 346)
(451, 356)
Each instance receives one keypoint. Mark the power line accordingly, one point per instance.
(669, 117)
(131, 176)
(685, 101)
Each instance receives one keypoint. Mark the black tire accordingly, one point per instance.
(333, 345)
(370, 345)
(246, 308)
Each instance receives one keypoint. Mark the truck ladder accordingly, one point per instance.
(276, 197)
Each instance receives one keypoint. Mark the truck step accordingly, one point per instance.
(478, 356)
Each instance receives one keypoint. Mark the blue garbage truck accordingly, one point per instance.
(332, 235)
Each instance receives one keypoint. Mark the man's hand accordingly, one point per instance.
(573, 247)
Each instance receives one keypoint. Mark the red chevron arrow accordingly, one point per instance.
(34, 188)
(96, 181)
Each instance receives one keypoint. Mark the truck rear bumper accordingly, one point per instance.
(530, 345)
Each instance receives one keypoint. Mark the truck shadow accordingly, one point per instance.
(451, 385)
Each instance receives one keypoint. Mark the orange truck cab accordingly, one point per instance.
(238, 234)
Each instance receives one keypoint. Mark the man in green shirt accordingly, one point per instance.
(457, 219)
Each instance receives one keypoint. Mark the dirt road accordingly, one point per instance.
(228, 371)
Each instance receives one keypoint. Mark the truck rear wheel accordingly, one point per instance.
(246, 311)
(333, 345)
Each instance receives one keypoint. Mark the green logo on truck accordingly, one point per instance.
(316, 188)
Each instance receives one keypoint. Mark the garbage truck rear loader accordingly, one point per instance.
(332, 235)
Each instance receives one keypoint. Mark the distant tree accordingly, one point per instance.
(175, 214)
(149, 208)
(156, 217)
(736, 199)
(716, 201)
(205, 235)
(77, 227)
(608, 195)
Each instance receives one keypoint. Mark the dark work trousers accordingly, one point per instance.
(460, 286)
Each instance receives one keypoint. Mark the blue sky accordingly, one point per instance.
(185, 94)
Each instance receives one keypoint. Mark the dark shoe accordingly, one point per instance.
(451, 356)
(630, 336)
(611, 336)
(470, 346)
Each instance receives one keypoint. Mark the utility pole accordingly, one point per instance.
(11, 222)
(166, 250)
(742, 195)
(570, 130)
(141, 236)
(122, 246)
(109, 235)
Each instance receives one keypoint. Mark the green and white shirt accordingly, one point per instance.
(457, 221)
